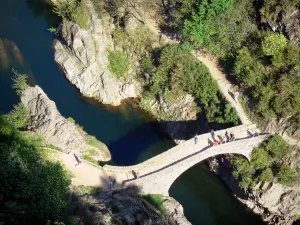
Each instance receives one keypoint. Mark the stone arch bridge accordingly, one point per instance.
(156, 175)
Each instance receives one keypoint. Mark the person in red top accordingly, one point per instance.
(215, 143)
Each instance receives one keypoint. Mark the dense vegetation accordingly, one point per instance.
(269, 160)
(178, 72)
(264, 63)
(33, 189)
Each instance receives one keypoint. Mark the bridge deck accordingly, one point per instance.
(174, 154)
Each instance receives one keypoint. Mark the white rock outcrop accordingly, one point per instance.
(83, 58)
(46, 120)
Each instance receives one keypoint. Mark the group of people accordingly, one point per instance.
(222, 139)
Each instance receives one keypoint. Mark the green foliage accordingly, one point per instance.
(198, 27)
(75, 10)
(20, 83)
(32, 188)
(286, 175)
(156, 200)
(266, 175)
(277, 147)
(273, 44)
(81, 15)
(260, 158)
(70, 119)
(52, 30)
(65, 9)
(247, 69)
(18, 116)
(264, 164)
(118, 64)
(179, 72)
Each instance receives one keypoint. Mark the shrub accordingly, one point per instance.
(19, 116)
(260, 158)
(32, 188)
(156, 200)
(277, 147)
(118, 64)
(273, 44)
(266, 175)
(286, 175)
(81, 15)
(74, 10)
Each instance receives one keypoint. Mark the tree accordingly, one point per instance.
(277, 147)
(286, 175)
(198, 27)
(260, 158)
(247, 69)
(266, 175)
(33, 189)
(19, 116)
(273, 44)
(19, 82)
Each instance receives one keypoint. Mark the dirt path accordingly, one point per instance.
(86, 173)
(225, 86)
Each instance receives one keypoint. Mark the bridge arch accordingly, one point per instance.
(156, 175)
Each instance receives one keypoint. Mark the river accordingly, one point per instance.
(130, 133)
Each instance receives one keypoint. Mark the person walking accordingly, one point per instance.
(232, 137)
(236, 95)
(78, 159)
(196, 139)
(213, 134)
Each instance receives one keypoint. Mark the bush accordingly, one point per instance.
(81, 15)
(286, 175)
(74, 10)
(277, 147)
(273, 44)
(19, 116)
(118, 64)
(156, 200)
(266, 175)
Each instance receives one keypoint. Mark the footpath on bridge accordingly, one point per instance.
(178, 153)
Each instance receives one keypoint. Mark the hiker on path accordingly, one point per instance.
(215, 143)
(78, 159)
(236, 95)
(232, 137)
(196, 139)
(213, 134)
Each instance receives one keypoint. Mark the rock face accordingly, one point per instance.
(278, 205)
(83, 58)
(58, 131)
(177, 115)
(287, 20)
(121, 207)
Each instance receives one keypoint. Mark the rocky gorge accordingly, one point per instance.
(82, 55)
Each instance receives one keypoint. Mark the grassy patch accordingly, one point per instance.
(118, 63)
(87, 189)
(156, 200)
(81, 15)
(70, 119)
(95, 143)
(89, 156)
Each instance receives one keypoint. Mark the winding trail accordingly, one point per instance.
(225, 86)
